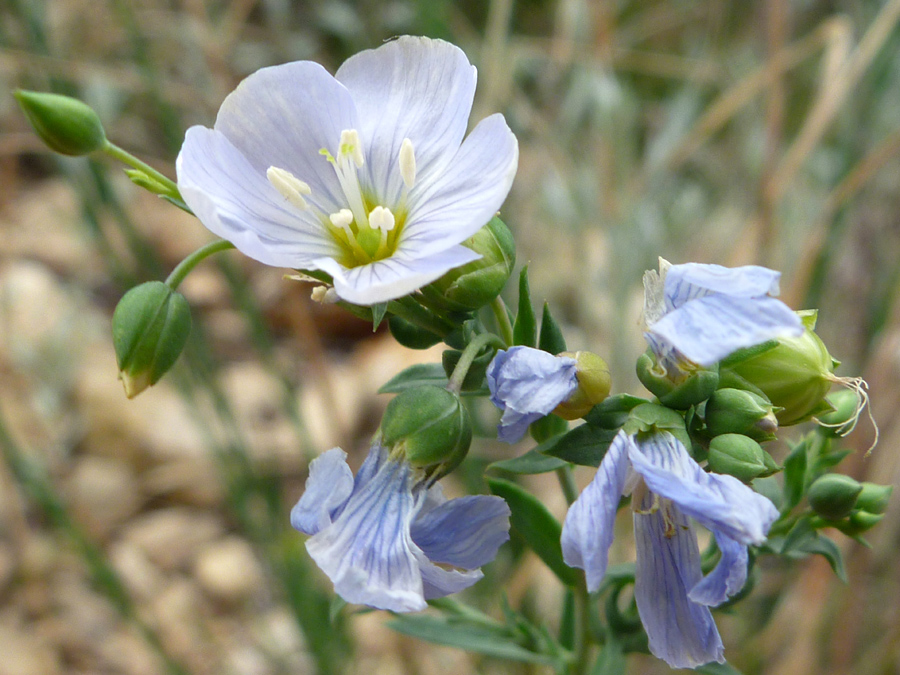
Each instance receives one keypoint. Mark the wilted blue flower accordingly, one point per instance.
(390, 540)
(702, 313)
(364, 175)
(673, 596)
(527, 384)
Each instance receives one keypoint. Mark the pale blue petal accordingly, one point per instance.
(589, 527)
(728, 576)
(415, 88)
(236, 201)
(708, 329)
(282, 116)
(367, 551)
(681, 632)
(695, 280)
(720, 503)
(328, 486)
(464, 532)
(527, 384)
(438, 582)
(455, 203)
(393, 277)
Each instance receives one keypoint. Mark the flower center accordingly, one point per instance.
(365, 229)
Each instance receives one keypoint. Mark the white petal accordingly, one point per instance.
(415, 88)
(328, 486)
(236, 202)
(590, 523)
(465, 196)
(282, 116)
(392, 277)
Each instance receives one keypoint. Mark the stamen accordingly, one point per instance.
(407, 163)
(381, 218)
(342, 219)
(289, 186)
(350, 145)
(324, 295)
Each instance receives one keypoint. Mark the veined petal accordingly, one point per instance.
(392, 277)
(282, 116)
(464, 532)
(681, 632)
(367, 551)
(328, 486)
(589, 527)
(438, 582)
(710, 328)
(236, 202)
(415, 88)
(720, 503)
(453, 205)
(527, 384)
(695, 280)
(728, 576)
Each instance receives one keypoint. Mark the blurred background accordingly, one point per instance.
(152, 536)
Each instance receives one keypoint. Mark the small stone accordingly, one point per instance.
(141, 577)
(172, 537)
(228, 570)
(189, 480)
(103, 493)
(24, 653)
(7, 567)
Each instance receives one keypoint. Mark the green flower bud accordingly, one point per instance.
(650, 417)
(735, 411)
(410, 335)
(65, 124)
(740, 456)
(150, 327)
(593, 385)
(430, 426)
(858, 523)
(795, 375)
(874, 498)
(834, 495)
(694, 389)
(475, 284)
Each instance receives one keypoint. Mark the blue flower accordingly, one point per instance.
(363, 175)
(699, 314)
(387, 538)
(527, 384)
(672, 595)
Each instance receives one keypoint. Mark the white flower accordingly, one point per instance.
(364, 175)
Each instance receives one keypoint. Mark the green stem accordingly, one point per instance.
(502, 316)
(126, 157)
(468, 356)
(185, 266)
(567, 483)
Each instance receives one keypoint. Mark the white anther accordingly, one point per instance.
(350, 145)
(381, 218)
(324, 295)
(342, 218)
(407, 163)
(289, 186)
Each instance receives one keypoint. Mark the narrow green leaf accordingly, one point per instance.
(378, 312)
(612, 412)
(531, 462)
(525, 328)
(415, 376)
(718, 669)
(552, 339)
(568, 622)
(472, 638)
(611, 660)
(537, 526)
(821, 545)
(585, 445)
(795, 475)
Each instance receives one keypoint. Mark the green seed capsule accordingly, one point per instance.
(833, 496)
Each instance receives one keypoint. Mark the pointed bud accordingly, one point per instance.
(65, 124)
(430, 426)
(740, 456)
(735, 411)
(874, 498)
(795, 375)
(695, 388)
(475, 284)
(833, 496)
(594, 384)
(150, 327)
(858, 523)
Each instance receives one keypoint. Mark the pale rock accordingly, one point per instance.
(26, 653)
(141, 577)
(189, 480)
(103, 494)
(228, 570)
(172, 537)
(8, 567)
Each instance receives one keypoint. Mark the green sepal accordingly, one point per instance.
(525, 328)
(537, 526)
(551, 339)
(694, 389)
